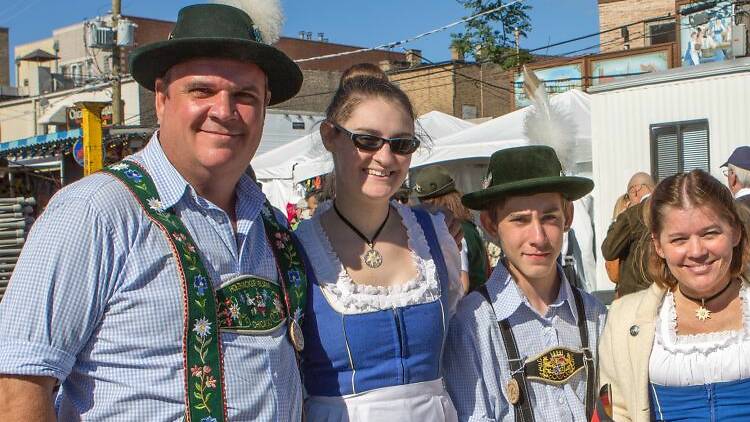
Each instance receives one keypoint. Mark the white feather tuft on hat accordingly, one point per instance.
(267, 16)
(546, 124)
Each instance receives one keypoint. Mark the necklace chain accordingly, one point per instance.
(370, 242)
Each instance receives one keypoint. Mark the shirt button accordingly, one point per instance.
(561, 400)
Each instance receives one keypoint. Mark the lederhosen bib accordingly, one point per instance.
(246, 304)
(554, 366)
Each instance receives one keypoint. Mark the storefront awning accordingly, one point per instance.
(37, 145)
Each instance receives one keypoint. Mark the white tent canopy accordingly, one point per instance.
(506, 131)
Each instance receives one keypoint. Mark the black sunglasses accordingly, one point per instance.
(367, 142)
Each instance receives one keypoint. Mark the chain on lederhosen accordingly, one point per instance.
(248, 303)
(554, 366)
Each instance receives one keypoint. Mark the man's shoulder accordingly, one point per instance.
(635, 213)
(471, 308)
(99, 192)
(622, 311)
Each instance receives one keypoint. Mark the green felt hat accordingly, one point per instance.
(216, 31)
(526, 170)
(432, 182)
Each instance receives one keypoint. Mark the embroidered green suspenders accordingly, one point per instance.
(247, 304)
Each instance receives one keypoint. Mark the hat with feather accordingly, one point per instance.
(241, 29)
(544, 165)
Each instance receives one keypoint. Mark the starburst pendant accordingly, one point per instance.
(373, 258)
(702, 313)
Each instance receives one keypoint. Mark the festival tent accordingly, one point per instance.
(278, 170)
(506, 131)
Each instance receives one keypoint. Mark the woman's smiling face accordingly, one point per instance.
(697, 245)
(372, 174)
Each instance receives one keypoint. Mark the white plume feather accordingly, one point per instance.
(267, 16)
(546, 124)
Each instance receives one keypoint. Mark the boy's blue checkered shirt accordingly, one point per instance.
(476, 364)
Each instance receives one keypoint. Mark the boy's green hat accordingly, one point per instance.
(526, 170)
(216, 31)
(432, 182)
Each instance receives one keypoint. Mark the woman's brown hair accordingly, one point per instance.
(694, 189)
(359, 83)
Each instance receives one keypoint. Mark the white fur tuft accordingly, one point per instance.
(267, 16)
(546, 124)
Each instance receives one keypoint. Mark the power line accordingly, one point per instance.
(416, 37)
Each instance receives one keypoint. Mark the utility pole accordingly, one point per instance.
(116, 89)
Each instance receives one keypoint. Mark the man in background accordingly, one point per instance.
(627, 238)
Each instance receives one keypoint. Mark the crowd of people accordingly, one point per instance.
(166, 287)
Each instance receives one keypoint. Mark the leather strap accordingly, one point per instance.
(590, 366)
(522, 409)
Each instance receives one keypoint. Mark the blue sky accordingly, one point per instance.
(357, 22)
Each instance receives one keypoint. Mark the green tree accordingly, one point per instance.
(491, 37)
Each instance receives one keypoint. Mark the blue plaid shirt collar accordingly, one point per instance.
(507, 298)
(172, 186)
(169, 182)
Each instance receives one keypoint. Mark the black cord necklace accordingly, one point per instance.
(702, 313)
(371, 258)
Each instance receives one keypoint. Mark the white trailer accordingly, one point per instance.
(661, 123)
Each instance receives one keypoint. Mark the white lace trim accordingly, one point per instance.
(359, 298)
(705, 342)
(702, 358)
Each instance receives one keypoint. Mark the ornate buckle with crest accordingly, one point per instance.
(555, 366)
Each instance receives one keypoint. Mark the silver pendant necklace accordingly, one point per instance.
(371, 257)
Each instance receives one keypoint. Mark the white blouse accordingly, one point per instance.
(348, 297)
(697, 359)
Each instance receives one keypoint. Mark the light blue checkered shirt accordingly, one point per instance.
(476, 364)
(95, 301)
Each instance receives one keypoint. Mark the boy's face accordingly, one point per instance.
(530, 230)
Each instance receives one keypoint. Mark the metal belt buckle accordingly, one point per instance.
(555, 366)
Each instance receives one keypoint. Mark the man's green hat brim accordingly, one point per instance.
(571, 187)
(216, 31)
(523, 171)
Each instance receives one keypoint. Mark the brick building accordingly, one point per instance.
(462, 89)
(618, 13)
(4, 57)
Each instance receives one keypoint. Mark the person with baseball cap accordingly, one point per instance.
(737, 171)
(165, 287)
(523, 346)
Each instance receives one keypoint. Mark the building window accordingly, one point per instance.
(679, 147)
(660, 32)
(468, 111)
